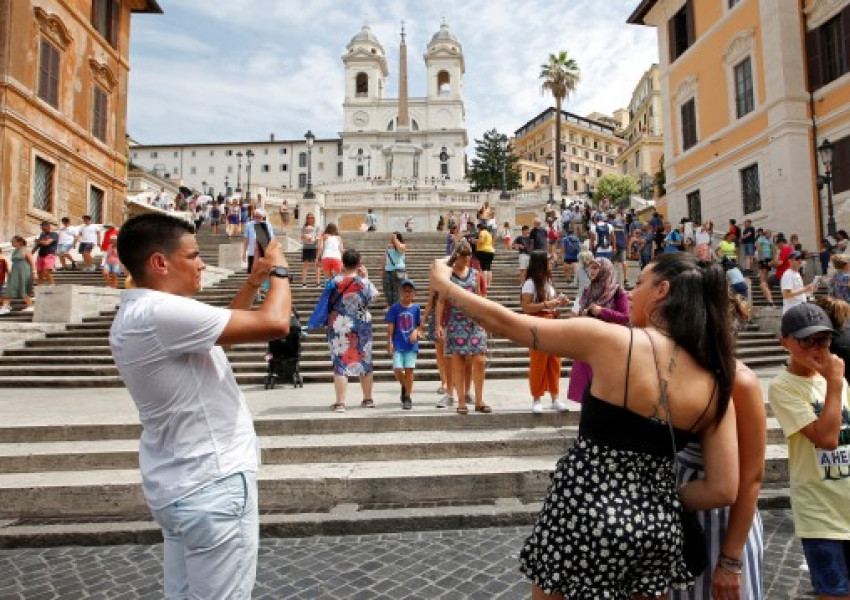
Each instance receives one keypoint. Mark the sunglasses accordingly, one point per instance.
(812, 341)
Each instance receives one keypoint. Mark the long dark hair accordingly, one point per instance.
(695, 314)
(538, 272)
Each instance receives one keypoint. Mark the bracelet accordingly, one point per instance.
(727, 563)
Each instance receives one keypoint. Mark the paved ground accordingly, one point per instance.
(473, 563)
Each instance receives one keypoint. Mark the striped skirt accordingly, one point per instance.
(689, 466)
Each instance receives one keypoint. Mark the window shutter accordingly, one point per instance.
(115, 26)
(845, 33)
(671, 39)
(690, 22)
(841, 165)
(813, 55)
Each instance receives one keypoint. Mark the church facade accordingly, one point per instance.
(389, 148)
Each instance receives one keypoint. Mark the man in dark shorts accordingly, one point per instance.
(46, 245)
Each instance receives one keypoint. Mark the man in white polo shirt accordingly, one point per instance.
(791, 284)
(198, 451)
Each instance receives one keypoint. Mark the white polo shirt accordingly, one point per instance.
(196, 427)
(791, 280)
(88, 233)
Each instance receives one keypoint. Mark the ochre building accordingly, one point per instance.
(63, 110)
(750, 89)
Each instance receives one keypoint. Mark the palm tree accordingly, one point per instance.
(560, 75)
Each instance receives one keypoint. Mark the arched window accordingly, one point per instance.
(444, 83)
(362, 84)
(444, 162)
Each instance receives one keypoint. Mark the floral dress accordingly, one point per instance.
(463, 335)
(838, 286)
(19, 282)
(350, 325)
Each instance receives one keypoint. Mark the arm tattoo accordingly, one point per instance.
(535, 341)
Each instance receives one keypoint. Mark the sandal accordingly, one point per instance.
(483, 408)
(338, 407)
(462, 410)
(367, 403)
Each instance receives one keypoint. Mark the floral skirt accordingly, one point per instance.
(350, 343)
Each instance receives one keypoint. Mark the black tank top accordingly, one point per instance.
(618, 427)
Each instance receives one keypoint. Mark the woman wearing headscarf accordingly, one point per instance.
(603, 299)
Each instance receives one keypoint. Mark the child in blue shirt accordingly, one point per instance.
(403, 329)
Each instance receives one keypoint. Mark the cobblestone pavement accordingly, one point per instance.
(472, 563)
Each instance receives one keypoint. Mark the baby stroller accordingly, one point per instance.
(284, 355)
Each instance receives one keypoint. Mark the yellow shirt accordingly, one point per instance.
(820, 479)
(728, 249)
(485, 241)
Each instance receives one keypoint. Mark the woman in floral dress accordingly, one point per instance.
(350, 329)
(465, 340)
(19, 284)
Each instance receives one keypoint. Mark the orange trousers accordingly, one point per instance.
(544, 373)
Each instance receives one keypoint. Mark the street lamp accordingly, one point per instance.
(226, 185)
(249, 156)
(551, 192)
(825, 151)
(308, 194)
(503, 145)
(239, 171)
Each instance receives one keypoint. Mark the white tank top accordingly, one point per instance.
(330, 249)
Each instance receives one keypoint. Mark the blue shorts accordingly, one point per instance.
(112, 269)
(404, 360)
(829, 565)
(749, 249)
(64, 248)
(86, 247)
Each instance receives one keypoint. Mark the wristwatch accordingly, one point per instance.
(281, 272)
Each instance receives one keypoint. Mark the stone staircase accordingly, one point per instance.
(80, 355)
(367, 471)
(69, 446)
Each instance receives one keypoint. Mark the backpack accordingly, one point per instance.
(620, 235)
(572, 246)
(603, 237)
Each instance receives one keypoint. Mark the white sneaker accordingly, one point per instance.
(5, 310)
(445, 401)
(29, 309)
(537, 407)
(559, 406)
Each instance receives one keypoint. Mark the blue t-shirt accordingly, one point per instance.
(670, 240)
(405, 319)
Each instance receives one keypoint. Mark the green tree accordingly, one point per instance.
(560, 76)
(617, 188)
(661, 179)
(485, 173)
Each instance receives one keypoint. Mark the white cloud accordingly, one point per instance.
(241, 69)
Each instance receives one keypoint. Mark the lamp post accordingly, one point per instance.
(503, 145)
(249, 156)
(226, 185)
(239, 171)
(308, 194)
(551, 191)
(825, 151)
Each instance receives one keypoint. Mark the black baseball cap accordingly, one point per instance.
(805, 320)
(407, 283)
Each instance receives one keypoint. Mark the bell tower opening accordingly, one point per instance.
(361, 85)
(444, 83)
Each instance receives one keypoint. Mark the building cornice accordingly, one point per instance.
(637, 17)
(820, 11)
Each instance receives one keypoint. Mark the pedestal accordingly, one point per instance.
(72, 303)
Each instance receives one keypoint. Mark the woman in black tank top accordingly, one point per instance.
(610, 524)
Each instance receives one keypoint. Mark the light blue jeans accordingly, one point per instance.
(211, 541)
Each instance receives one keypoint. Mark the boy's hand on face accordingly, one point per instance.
(828, 365)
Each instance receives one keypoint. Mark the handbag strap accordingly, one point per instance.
(390, 258)
(333, 300)
(663, 401)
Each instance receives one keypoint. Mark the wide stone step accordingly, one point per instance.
(308, 487)
(345, 519)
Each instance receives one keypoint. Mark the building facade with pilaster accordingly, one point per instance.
(750, 90)
(64, 69)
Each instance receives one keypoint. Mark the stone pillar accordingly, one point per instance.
(73, 303)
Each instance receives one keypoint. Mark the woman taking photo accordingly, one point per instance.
(395, 269)
(350, 329)
(330, 250)
(603, 299)
(538, 298)
(309, 248)
(466, 341)
(610, 526)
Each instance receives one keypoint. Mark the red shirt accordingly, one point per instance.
(783, 260)
(107, 235)
(4, 268)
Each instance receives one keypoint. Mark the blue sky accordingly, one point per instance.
(238, 70)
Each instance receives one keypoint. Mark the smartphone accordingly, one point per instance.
(261, 231)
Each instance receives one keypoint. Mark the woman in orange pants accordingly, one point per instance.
(539, 298)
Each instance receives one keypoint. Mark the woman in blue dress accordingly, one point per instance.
(350, 329)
